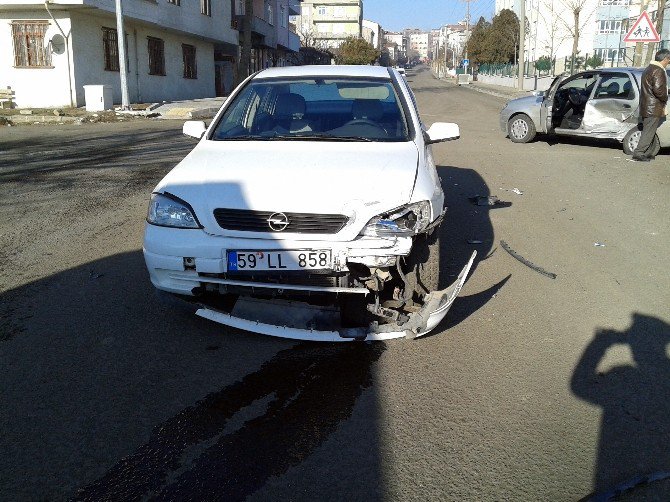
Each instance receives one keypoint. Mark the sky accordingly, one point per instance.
(395, 15)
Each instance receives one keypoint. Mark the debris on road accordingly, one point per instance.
(517, 191)
(483, 200)
(529, 264)
(599, 244)
(488, 200)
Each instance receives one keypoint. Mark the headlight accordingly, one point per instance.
(169, 211)
(405, 221)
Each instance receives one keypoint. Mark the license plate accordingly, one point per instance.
(286, 259)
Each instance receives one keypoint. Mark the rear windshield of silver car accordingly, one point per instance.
(328, 109)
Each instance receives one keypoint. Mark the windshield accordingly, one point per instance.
(339, 109)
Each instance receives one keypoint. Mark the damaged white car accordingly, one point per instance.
(308, 210)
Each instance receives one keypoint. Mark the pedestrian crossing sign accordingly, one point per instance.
(642, 31)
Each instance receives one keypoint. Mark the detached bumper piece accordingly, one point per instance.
(301, 321)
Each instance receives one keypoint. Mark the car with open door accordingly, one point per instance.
(602, 103)
(309, 209)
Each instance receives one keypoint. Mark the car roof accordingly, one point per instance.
(622, 68)
(325, 71)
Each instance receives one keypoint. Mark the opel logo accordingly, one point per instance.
(278, 222)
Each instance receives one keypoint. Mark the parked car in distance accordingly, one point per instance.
(309, 209)
(602, 103)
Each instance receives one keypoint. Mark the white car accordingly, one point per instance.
(309, 209)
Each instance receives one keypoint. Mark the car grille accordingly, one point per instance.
(299, 223)
(295, 279)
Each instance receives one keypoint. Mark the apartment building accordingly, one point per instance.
(50, 51)
(327, 23)
(420, 43)
(373, 33)
(273, 38)
(603, 25)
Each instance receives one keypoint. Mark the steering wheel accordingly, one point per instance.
(574, 96)
(366, 122)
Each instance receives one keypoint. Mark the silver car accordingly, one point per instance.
(602, 103)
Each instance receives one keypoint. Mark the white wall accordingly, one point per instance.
(89, 62)
(34, 87)
(185, 17)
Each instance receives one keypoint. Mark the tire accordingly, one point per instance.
(521, 128)
(422, 266)
(632, 138)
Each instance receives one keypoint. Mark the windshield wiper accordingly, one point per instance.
(321, 137)
(245, 137)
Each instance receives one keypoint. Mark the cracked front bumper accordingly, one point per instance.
(435, 308)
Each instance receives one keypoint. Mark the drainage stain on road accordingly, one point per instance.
(231, 442)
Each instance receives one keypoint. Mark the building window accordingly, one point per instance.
(190, 67)
(283, 18)
(206, 7)
(29, 47)
(269, 13)
(111, 47)
(156, 56)
(608, 26)
(322, 11)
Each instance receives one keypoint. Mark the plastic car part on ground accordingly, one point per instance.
(308, 318)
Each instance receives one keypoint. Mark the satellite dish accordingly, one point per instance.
(57, 44)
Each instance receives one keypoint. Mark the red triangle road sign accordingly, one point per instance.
(642, 31)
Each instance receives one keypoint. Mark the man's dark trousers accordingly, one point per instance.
(649, 126)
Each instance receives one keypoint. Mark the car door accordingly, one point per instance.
(612, 108)
(569, 101)
(547, 103)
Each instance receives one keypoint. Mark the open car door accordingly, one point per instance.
(548, 102)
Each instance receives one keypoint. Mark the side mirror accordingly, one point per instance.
(442, 131)
(194, 128)
(538, 93)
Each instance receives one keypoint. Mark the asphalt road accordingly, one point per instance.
(533, 389)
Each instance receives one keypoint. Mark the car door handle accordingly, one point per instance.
(626, 106)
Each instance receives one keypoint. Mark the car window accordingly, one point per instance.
(614, 86)
(582, 82)
(315, 109)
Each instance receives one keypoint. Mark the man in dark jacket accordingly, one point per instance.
(653, 102)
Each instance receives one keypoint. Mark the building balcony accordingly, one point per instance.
(260, 28)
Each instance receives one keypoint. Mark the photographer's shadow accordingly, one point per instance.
(633, 448)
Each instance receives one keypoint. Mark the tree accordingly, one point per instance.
(245, 55)
(543, 64)
(476, 44)
(594, 61)
(555, 33)
(355, 50)
(499, 39)
(574, 24)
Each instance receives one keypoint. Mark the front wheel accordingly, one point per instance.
(632, 138)
(521, 129)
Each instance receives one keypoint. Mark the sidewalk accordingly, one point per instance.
(204, 108)
(500, 91)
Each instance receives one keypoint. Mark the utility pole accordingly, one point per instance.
(522, 37)
(637, 58)
(123, 71)
(651, 46)
(467, 32)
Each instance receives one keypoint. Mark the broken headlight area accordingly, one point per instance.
(404, 221)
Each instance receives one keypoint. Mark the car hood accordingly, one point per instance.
(525, 102)
(356, 179)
